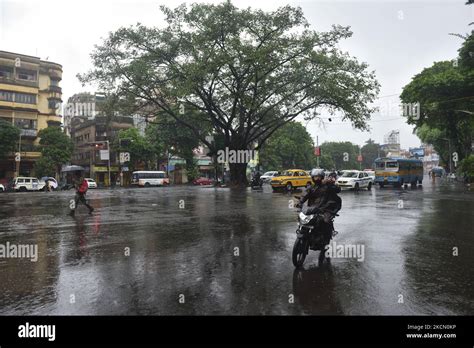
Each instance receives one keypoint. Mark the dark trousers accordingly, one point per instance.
(81, 198)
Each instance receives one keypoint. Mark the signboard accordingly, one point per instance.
(417, 152)
(359, 158)
(17, 157)
(104, 155)
(124, 157)
(125, 169)
(105, 169)
(317, 151)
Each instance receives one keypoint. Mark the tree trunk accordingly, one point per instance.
(238, 174)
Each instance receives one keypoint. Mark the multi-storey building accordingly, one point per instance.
(90, 137)
(30, 97)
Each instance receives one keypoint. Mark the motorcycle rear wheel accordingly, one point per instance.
(299, 252)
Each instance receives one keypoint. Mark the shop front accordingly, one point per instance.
(101, 175)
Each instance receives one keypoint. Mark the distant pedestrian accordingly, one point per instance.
(81, 186)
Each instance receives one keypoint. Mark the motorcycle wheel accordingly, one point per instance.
(299, 252)
(322, 255)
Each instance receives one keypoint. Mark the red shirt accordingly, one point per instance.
(84, 186)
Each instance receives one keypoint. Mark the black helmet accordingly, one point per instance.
(317, 172)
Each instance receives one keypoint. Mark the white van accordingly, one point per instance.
(27, 183)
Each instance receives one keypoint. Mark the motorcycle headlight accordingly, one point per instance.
(305, 219)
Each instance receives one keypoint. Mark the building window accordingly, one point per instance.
(6, 72)
(25, 123)
(6, 96)
(28, 75)
(54, 83)
(25, 98)
(53, 104)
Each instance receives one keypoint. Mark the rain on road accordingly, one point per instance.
(82, 267)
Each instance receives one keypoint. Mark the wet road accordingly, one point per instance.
(198, 250)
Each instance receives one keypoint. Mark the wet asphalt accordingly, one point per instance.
(215, 251)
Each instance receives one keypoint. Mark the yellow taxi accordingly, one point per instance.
(291, 179)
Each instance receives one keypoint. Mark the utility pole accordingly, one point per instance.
(108, 161)
(450, 156)
(317, 145)
(17, 169)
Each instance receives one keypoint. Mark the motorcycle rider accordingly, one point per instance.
(323, 196)
(256, 179)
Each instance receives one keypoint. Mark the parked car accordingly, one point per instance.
(268, 176)
(370, 173)
(2, 188)
(355, 179)
(291, 179)
(26, 183)
(51, 181)
(91, 183)
(203, 181)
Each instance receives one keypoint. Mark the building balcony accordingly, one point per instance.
(11, 80)
(55, 89)
(29, 133)
(101, 138)
(30, 148)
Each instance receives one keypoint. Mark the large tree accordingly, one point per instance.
(444, 92)
(170, 138)
(370, 151)
(248, 72)
(9, 135)
(56, 149)
(138, 146)
(291, 146)
(343, 154)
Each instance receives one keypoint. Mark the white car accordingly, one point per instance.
(355, 179)
(2, 188)
(27, 183)
(370, 173)
(91, 183)
(268, 176)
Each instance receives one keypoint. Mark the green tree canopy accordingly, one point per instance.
(291, 146)
(248, 71)
(140, 149)
(56, 149)
(444, 92)
(370, 151)
(338, 152)
(9, 136)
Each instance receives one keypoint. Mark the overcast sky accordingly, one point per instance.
(396, 38)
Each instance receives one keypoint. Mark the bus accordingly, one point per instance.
(149, 178)
(398, 171)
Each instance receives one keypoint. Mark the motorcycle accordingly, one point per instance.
(256, 184)
(309, 234)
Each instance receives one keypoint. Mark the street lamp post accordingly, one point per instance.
(95, 145)
(317, 145)
(108, 162)
(19, 152)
